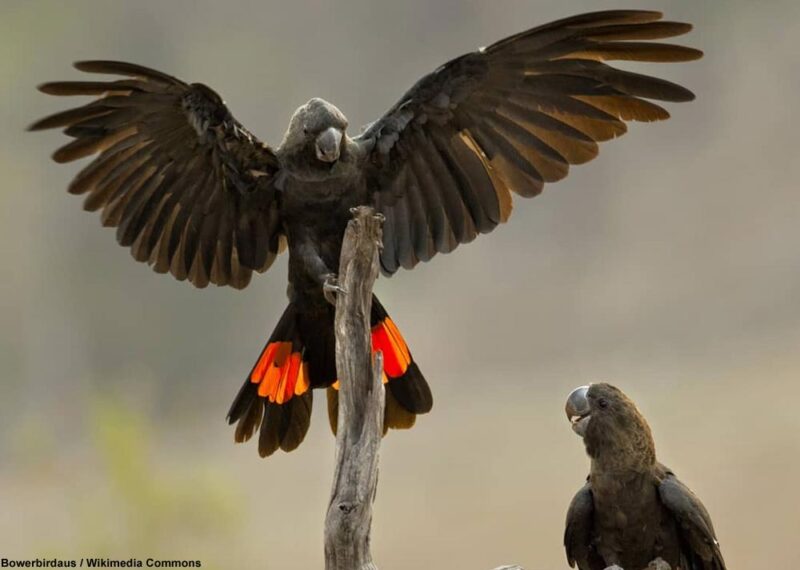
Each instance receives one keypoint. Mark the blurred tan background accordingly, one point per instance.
(669, 266)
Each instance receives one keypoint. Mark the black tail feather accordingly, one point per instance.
(285, 425)
(412, 391)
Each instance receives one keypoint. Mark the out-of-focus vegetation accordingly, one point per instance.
(669, 266)
(160, 507)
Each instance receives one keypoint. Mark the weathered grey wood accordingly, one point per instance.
(361, 401)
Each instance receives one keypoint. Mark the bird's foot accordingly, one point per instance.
(377, 215)
(659, 564)
(614, 567)
(331, 288)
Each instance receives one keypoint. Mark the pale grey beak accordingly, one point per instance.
(578, 410)
(328, 143)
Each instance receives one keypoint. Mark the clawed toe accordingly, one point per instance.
(331, 288)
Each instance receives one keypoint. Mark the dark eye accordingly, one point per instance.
(602, 402)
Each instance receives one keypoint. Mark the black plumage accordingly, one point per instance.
(194, 193)
(633, 512)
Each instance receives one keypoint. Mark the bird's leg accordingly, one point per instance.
(659, 564)
(315, 266)
(331, 287)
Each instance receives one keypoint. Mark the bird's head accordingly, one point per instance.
(316, 141)
(610, 424)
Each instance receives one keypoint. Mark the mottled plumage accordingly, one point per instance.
(193, 193)
(632, 510)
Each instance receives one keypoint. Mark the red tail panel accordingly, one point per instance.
(280, 373)
(387, 338)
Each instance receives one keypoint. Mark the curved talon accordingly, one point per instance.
(331, 288)
(380, 217)
(354, 210)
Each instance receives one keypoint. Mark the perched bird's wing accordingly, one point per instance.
(579, 531)
(700, 548)
(442, 162)
(189, 190)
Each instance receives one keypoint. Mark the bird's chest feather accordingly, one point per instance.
(321, 207)
(627, 516)
(315, 215)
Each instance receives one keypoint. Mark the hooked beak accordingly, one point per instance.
(578, 410)
(328, 144)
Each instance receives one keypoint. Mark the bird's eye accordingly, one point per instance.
(602, 402)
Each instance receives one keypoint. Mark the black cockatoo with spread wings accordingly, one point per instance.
(194, 193)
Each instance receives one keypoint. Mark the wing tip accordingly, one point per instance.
(36, 126)
(46, 88)
(682, 54)
(94, 65)
(682, 95)
(62, 157)
(694, 54)
(112, 67)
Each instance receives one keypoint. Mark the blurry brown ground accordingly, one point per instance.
(669, 266)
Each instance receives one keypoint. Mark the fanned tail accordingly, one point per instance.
(276, 398)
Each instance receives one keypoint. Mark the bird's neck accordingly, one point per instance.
(631, 454)
(619, 465)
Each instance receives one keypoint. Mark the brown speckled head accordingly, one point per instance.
(612, 427)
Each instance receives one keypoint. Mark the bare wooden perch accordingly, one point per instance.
(361, 401)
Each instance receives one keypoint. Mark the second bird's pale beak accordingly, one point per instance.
(328, 144)
(578, 410)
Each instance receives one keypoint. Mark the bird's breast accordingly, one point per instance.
(330, 198)
(315, 215)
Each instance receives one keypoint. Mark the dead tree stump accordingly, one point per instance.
(361, 401)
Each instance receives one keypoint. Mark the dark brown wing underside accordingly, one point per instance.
(510, 118)
(188, 189)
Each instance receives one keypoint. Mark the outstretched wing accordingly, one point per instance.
(699, 546)
(187, 187)
(579, 532)
(442, 163)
